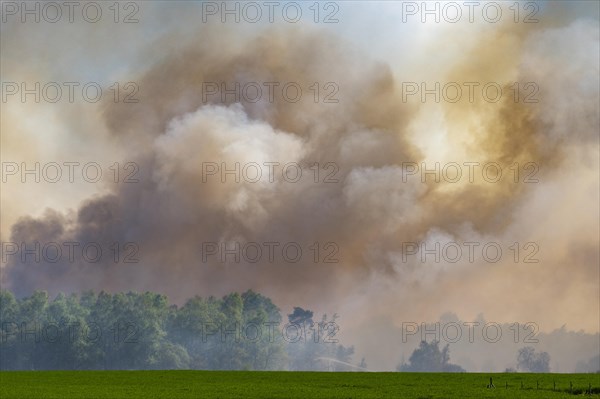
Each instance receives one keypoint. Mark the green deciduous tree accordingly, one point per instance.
(429, 358)
(142, 331)
(529, 360)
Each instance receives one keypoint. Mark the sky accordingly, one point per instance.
(393, 169)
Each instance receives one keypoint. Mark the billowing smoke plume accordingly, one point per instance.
(366, 202)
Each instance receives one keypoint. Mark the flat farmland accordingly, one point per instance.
(276, 384)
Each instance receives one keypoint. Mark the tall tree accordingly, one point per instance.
(529, 360)
(429, 358)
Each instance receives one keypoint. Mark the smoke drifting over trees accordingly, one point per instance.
(428, 357)
(143, 331)
(358, 207)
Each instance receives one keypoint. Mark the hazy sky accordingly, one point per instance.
(375, 207)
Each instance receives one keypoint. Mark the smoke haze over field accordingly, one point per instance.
(371, 138)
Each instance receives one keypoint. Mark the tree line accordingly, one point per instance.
(428, 357)
(143, 331)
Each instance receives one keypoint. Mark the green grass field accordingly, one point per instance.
(255, 384)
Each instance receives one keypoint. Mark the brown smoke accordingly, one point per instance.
(367, 134)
